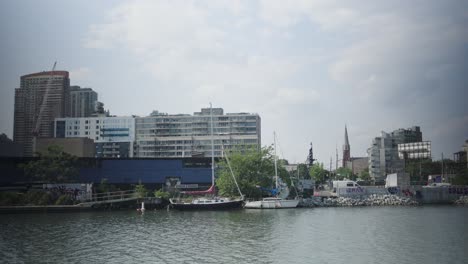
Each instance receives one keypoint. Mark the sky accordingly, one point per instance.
(308, 68)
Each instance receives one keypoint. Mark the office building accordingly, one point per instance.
(415, 150)
(82, 101)
(41, 98)
(183, 135)
(383, 153)
(113, 136)
(461, 156)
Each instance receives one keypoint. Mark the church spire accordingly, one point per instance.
(346, 140)
(346, 148)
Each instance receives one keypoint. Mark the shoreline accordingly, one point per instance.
(44, 209)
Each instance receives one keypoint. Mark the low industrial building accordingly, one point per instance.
(79, 147)
(153, 173)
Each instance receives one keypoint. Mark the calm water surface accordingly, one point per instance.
(321, 235)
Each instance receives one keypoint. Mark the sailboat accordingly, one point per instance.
(276, 202)
(211, 202)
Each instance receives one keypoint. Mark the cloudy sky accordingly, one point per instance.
(307, 67)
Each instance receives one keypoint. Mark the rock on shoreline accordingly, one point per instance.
(463, 200)
(371, 200)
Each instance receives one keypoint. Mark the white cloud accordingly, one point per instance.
(242, 55)
(80, 74)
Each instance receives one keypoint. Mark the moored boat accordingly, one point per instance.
(215, 203)
(211, 202)
(273, 202)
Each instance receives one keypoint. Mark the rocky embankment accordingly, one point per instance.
(463, 200)
(371, 200)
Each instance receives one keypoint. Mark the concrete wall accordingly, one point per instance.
(443, 194)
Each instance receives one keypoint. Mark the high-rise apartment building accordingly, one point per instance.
(28, 101)
(82, 101)
(183, 135)
(383, 154)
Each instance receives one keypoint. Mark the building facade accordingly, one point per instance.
(415, 150)
(153, 173)
(82, 101)
(49, 90)
(162, 135)
(113, 136)
(357, 165)
(462, 155)
(383, 153)
(79, 147)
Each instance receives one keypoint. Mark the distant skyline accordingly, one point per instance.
(306, 67)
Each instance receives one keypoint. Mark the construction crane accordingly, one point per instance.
(37, 124)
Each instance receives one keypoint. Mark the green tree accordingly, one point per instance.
(318, 173)
(365, 175)
(140, 190)
(303, 171)
(344, 173)
(161, 194)
(252, 168)
(54, 166)
(419, 170)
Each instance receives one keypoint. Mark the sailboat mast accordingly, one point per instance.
(276, 166)
(212, 146)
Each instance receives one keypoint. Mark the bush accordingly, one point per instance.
(140, 190)
(161, 194)
(44, 199)
(10, 198)
(64, 200)
(36, 197)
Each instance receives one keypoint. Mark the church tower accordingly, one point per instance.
(346, 148)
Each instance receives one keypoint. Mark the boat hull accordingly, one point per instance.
(237, 204)
(272, 204)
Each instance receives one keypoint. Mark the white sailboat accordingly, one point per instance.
(273, 202)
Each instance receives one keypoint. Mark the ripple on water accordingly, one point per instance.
(325, 235)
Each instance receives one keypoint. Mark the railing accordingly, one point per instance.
(118, 195)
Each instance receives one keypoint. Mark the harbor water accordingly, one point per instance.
(424, 234)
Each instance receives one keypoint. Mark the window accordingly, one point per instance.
(97, 127)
